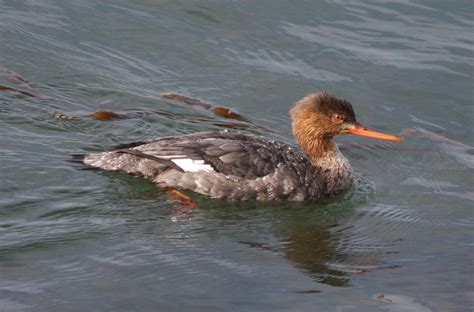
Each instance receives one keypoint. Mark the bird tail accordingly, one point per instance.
(78, 161)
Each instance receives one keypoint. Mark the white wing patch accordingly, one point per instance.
(189, 165)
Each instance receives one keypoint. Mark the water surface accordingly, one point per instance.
(106, 241)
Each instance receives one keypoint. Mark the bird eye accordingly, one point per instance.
(338, 118)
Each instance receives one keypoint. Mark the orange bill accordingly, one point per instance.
(362, 130)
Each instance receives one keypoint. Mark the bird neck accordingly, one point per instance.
(326, 158)
(322, 151)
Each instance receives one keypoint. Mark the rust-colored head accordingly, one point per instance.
(318, 117)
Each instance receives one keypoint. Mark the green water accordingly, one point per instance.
(78, 240)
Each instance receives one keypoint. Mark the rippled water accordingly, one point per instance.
(400, 240)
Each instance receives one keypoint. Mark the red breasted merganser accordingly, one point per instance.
(241, 167)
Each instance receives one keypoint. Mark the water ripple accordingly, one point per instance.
(284, 63)
(405, 42)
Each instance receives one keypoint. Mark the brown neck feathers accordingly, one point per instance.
(316, 145)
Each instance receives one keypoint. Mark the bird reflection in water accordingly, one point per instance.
(326, 251)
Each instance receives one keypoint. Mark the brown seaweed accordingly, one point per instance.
(218, 110)
(8, 88)
(435, 137)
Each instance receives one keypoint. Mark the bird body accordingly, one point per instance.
(242, 167)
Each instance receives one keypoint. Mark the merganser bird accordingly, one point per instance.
(242, 167)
